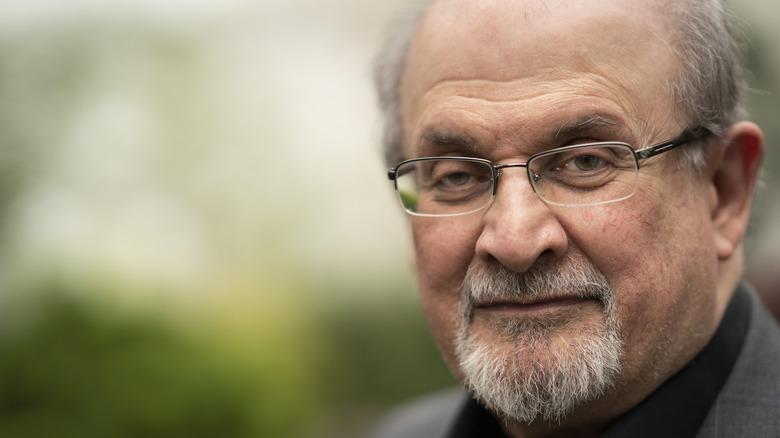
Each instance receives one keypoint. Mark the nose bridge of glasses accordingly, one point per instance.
(499, 173)
(504, 166)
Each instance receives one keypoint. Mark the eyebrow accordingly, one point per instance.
(567, 130)
(463, 142)
(585, 124)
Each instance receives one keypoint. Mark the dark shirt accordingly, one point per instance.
(676, 409)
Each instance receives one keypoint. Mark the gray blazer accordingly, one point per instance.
(748, 405)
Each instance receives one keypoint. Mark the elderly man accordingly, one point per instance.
(578, 184)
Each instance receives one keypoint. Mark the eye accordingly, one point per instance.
(584, 163)
(456, 174)
(456, 179)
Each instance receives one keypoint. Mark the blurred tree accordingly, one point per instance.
(75, 368)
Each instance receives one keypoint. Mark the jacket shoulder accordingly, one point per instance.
(749, 403)
(430, 416)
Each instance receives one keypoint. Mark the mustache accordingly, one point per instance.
(571, 276)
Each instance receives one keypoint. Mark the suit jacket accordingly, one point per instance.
(748, 404)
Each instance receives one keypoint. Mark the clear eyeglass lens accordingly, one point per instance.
(586, 175)
(443, 187)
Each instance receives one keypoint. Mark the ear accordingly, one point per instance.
(734, 180)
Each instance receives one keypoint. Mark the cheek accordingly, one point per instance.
(444, 249)
(645, 239)
(662, 266)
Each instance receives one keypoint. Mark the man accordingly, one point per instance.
(578, 184)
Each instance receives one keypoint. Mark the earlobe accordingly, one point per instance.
(734, 181)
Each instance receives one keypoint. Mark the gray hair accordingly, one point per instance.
(707, 91)
(709, 88)
(389, 66)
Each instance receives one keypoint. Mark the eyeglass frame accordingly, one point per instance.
(698, 133)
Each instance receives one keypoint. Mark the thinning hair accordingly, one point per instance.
(707, 90)
(389, 66)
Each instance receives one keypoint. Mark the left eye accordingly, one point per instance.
(456, 179)
(584, 163)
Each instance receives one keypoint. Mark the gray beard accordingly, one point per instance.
(520, 374)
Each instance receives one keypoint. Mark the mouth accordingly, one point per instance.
(536, 307)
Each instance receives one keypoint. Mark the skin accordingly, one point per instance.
(502, 80)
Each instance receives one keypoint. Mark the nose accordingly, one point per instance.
(519, 229)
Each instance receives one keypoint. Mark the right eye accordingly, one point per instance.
(457, 175)
(457, 179)
(450, 181)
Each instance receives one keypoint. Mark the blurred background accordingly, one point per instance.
(197, 237)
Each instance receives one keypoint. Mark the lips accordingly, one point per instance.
(565, 289)
(544, 304)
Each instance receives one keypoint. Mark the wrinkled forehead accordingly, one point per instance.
(500, 40)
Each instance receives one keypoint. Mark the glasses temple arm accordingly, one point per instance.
(693, 134)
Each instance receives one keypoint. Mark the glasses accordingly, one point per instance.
(572, 176)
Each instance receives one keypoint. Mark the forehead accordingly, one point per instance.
(527, 59)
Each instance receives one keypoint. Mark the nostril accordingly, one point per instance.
(546, 255)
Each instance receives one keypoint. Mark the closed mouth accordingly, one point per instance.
(538, 305)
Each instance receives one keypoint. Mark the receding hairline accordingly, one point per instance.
(433, 38)
(714, 104)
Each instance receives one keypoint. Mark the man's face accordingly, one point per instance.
(503, 80)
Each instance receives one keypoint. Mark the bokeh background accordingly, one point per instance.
(196, 234)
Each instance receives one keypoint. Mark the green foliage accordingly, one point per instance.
(80, 366)
(382, 352)
(409, 199)
(73, 373)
